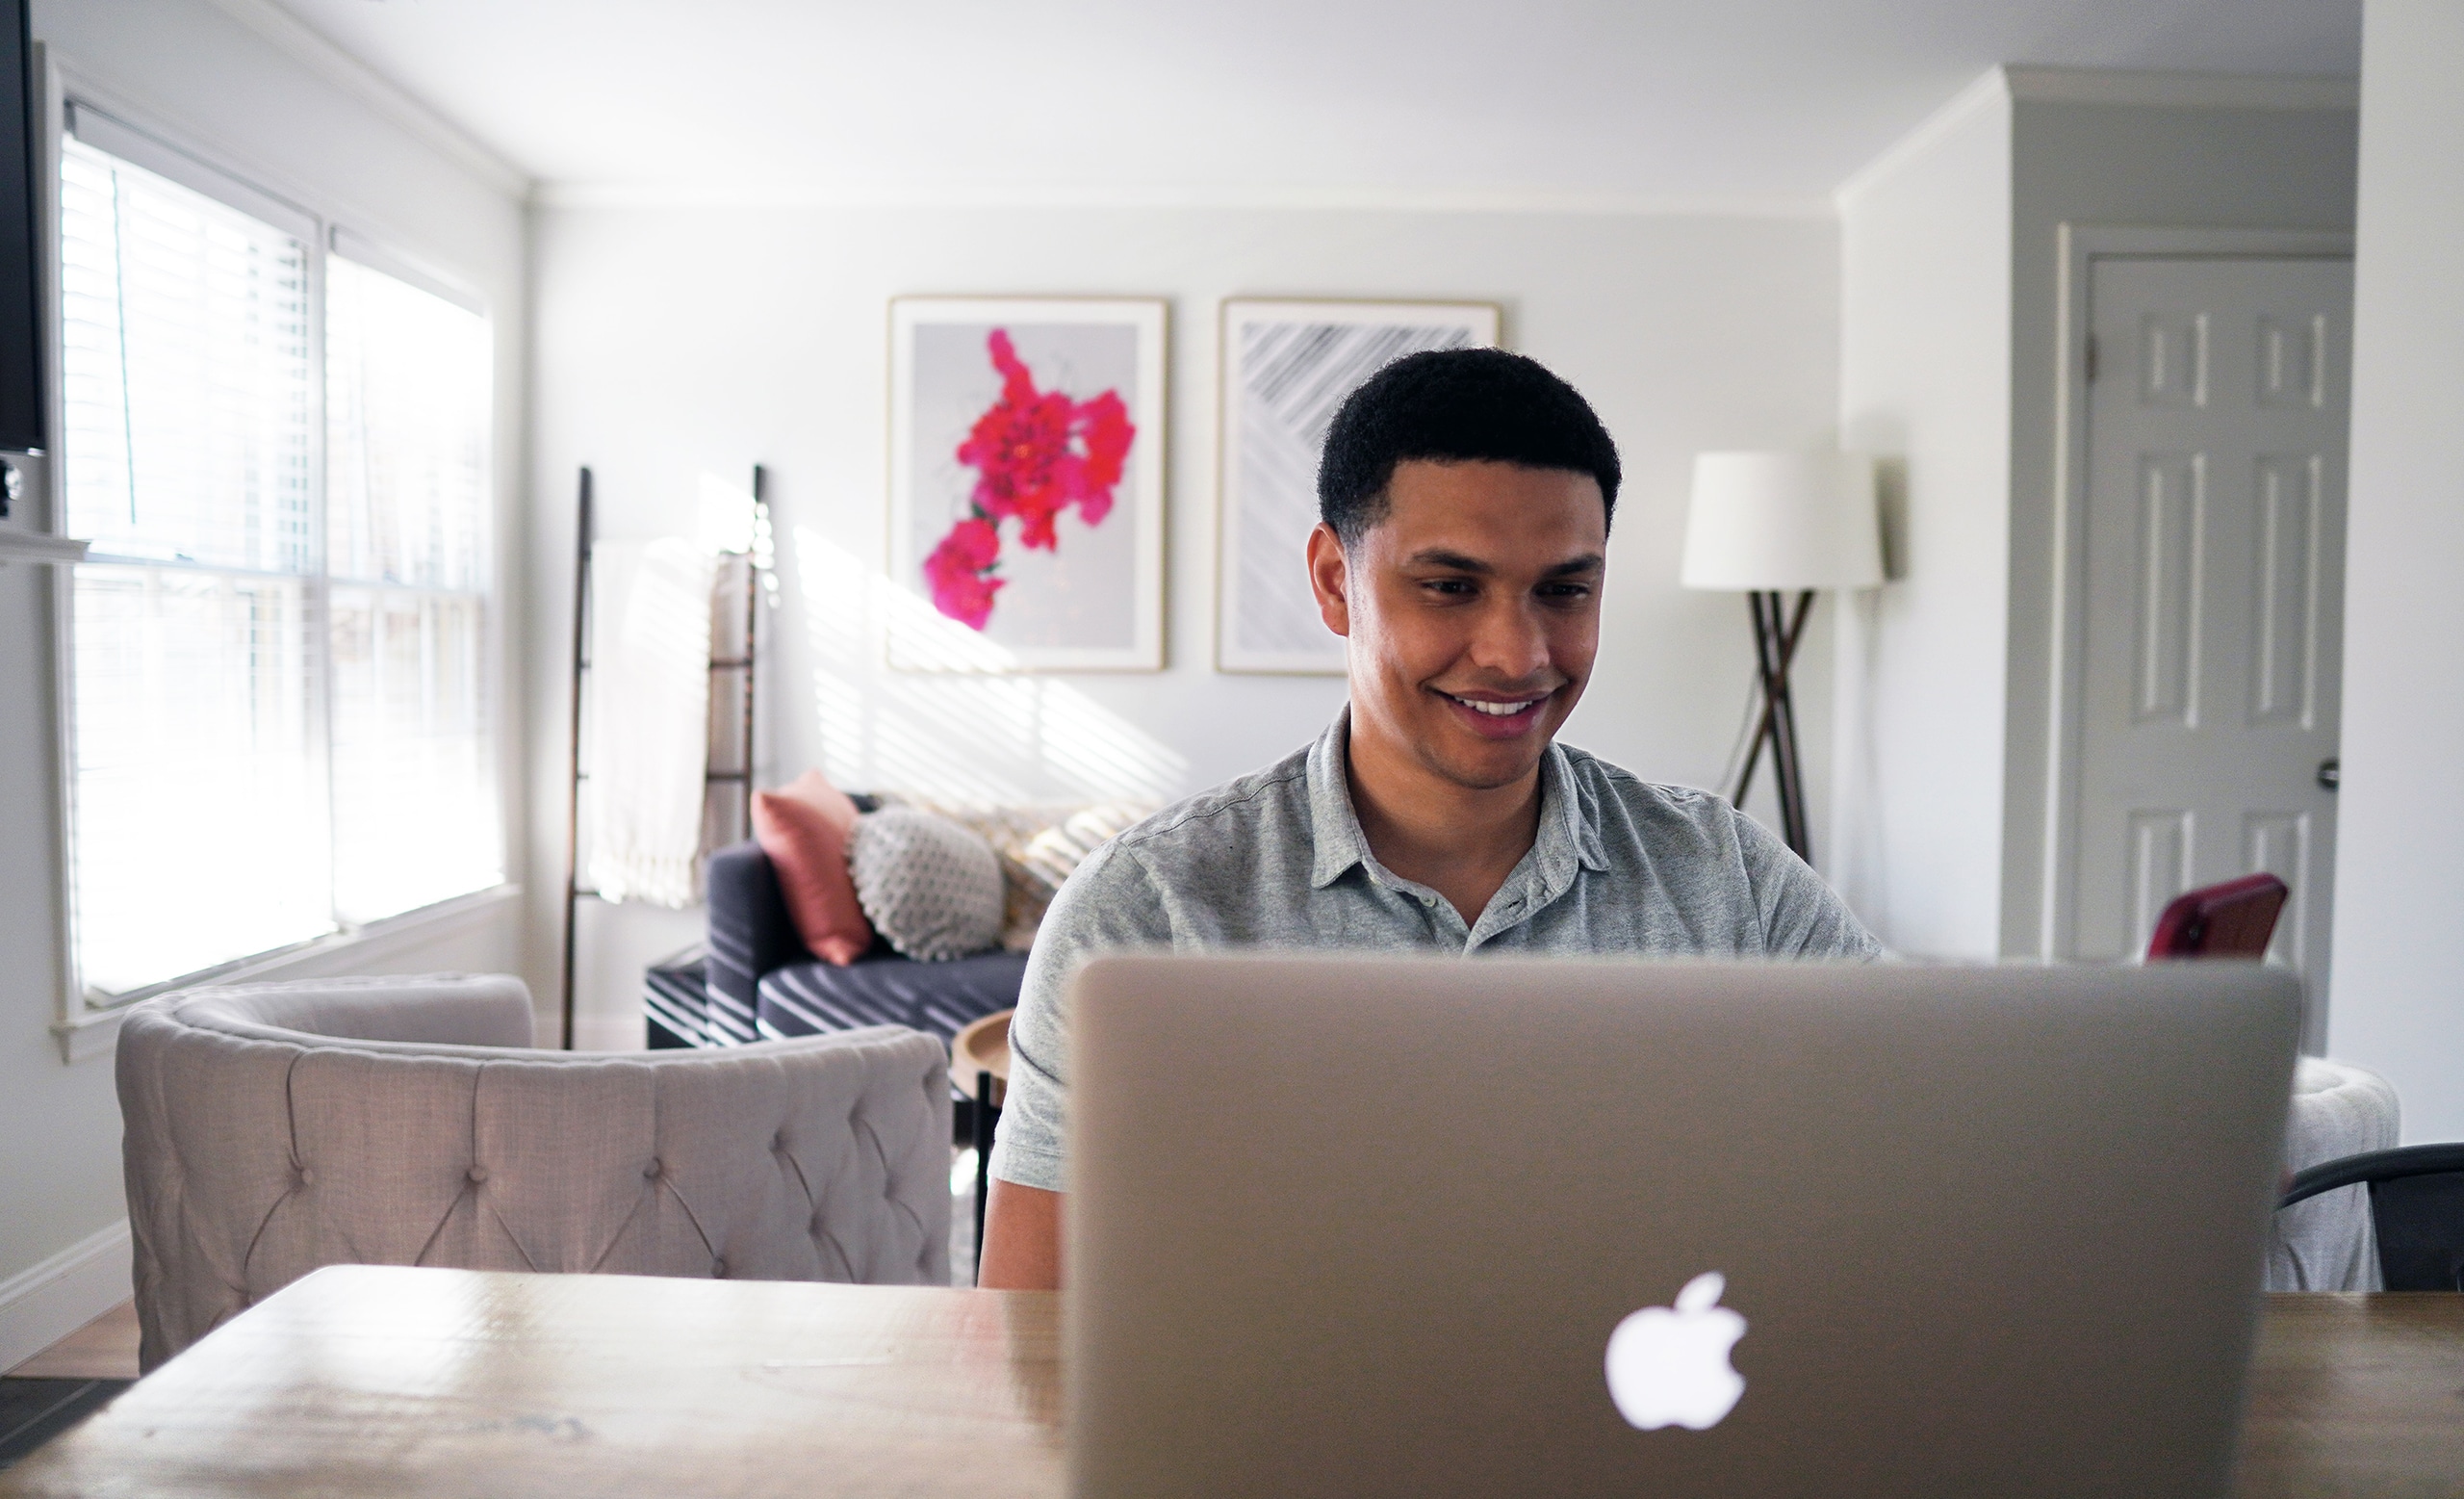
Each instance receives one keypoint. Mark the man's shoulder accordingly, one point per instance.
(1608, 792)
(1212, 816)
(1212, 846)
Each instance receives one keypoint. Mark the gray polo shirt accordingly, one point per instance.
(1278, 860)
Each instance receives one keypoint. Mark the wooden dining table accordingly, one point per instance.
(380, 1380)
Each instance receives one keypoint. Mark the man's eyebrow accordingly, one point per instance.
(1588, 562)
(1457, 562)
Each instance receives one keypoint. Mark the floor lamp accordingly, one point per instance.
(1770, 525)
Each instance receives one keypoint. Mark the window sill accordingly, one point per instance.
(91, 1035)
(28, 546)
(94, 1032)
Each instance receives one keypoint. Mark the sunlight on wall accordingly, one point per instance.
(969, 733)
(724, 514)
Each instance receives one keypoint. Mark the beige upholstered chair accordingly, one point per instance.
(274, 1128)
(2327, 1243)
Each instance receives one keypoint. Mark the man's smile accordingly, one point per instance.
(1496, 715)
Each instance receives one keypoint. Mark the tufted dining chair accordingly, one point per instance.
(274, 1128)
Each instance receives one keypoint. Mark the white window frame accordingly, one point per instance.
(87, 1025)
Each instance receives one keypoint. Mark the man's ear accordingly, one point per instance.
(1330, 579)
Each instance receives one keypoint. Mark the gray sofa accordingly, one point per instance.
(761, 981)
(274, 1128)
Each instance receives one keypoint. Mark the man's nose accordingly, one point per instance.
(1510, 641)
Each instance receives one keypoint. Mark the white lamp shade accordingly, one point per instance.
(1782, 521)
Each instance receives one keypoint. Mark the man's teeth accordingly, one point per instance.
(1495, 710)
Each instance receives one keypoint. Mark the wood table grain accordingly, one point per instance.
(383, 1381)
(2356, 1395)
(389, 1381)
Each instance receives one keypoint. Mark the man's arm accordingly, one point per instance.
(1021, 1239)
(1108, 905)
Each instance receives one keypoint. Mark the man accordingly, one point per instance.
(1465, 497)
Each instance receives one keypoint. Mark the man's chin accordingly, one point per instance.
(1487, 766)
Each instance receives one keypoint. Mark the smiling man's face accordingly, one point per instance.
(1473, 611)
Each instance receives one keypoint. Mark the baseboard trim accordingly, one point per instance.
(45, 1303)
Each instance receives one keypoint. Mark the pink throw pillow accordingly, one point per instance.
(802, 827)
(814, 788)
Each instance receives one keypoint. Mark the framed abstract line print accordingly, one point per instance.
(1287, 366)
(1026, 484)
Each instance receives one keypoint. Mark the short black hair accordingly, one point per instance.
(1455, 406)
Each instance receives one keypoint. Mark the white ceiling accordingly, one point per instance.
(1648, 102)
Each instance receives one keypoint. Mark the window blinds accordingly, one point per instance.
(407, 388)
(278, 659)
(186, 368)
(188, 446)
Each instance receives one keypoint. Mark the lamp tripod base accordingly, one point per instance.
(1776, 631)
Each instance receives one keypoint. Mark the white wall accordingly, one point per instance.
(1925, 381)
(2400, 948)
(289, 123)
(673, 341)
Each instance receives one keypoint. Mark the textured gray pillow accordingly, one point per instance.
(931, 887)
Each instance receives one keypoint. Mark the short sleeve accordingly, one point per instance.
(1110, 904)
(1802, 916)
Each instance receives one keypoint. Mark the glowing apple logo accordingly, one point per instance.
(1668, 1365)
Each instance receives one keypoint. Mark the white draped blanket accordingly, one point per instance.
(650, 705)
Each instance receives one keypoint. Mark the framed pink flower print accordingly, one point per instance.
(1026, 484)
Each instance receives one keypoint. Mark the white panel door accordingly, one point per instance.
(2217, 412)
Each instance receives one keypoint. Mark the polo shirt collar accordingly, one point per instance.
(1566, 838)
(1334, 828)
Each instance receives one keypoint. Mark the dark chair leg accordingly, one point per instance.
(983, 1120)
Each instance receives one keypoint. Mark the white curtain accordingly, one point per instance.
(647, 742)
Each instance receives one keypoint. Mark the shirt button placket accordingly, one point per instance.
(1508, 912)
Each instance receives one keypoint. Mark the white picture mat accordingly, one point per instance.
(942, 378)
(1285, 368)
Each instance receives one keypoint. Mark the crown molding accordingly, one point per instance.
(309, 47)
(2102, 86)
(2183, 90)
(1428, 200)
(1989, 90)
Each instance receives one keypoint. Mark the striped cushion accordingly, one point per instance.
(804, 998)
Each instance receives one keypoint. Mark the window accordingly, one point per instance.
(406, 465)
(278, 667)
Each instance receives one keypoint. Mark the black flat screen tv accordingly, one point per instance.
(21, 395)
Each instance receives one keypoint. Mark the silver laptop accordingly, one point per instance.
(1431, 1228)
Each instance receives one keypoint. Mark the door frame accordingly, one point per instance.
(2082, 246)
